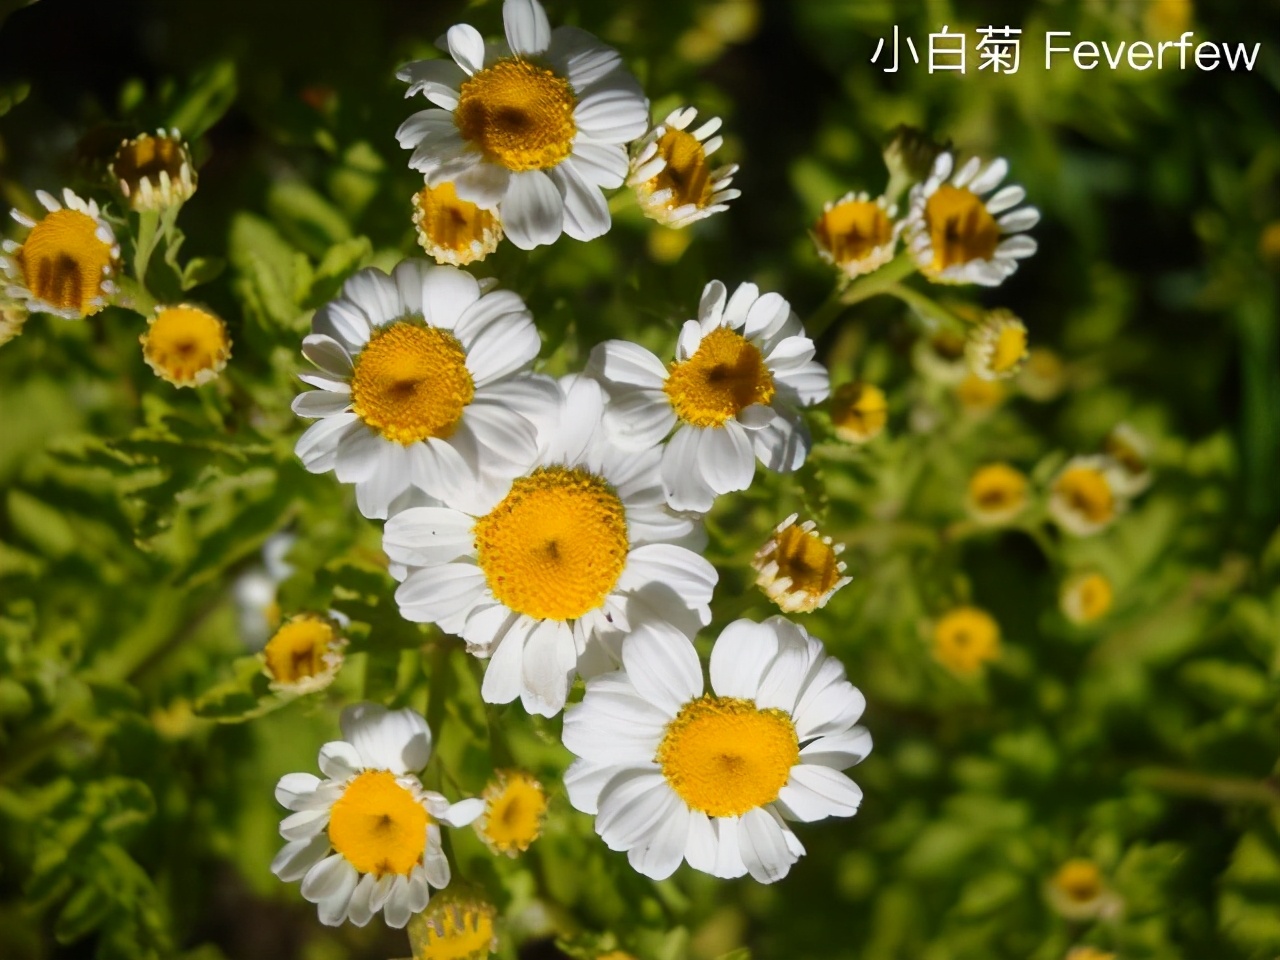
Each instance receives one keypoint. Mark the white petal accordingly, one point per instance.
(661, 852)
(683, 572)
(602, 164)
(438, 80)
(613, 110)
(359, 911)
(585, 779)
(664, 667)
(815, 792)
(295, 789)
(740, 658)
(1024, 218)
(582, 58)
(990, 178)
(438, 594)
(298, 856)
(700, 848)
(504, 347)
(631, 805)
(327, 878)
(532, 212)
(527, 29)
(620, 361)
(327, 354)
(342, 321)
(374, 293)
(550, 657)
(765, 850)
(466, 46)
(639, 420)
(684, 485)
(446, 293)
(586, 214)
(425, 536)
(317, 448)
(485, 184)
(320, 403)
(839, 751)
(783, 444)
(725, 458)
(504, 674)
(397, 909)
(395, 740)
(340, 760)
(463, 812)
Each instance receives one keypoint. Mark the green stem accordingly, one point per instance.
(145, 244)
(864, 288)
(926, 306)
(1224, 790)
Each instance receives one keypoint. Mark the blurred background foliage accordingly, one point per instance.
(137, 818)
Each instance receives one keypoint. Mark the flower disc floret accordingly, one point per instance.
(725, 375)
(378, 825)
(859, 412)
(799, 568)
(66, 263)
(515, 808)
(856, 233)
(154, 172)
(519, 114)
(672, 175)
(1085, 496)
(452, 230)
(966, 638)
(186, 345)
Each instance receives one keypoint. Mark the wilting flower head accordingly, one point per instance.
(741, 373)
(67, 262)
(154, 172)
(535, 127)
(1043, 375)
(1078, 892)
(186, 345)
(957, 236)
(1131, 452)
(544, 573)
(1086, 597)
(964, 639)
(452, 230)
(859, 412)
(367, 837)
(424, 384)
(304, 654)
(997, 494)
(798, 568)
(515, 806)
(856, 234)
(997, 347)
(673, 772)
(454, 927)
(1085, 497)
(672, 174)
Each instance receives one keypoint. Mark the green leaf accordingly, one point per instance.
(83, 913)
(243, 697)
(210, 96)
(308, 220)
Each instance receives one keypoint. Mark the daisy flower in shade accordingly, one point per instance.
(423, 384)
(453, 230)
(1085, 497)
(674, 773)
(857, 234)
(515, 806)
(742, 372)
(1085, 597)
(957, 236)
(154, 172)
(997, 494)
(185, 345)
(859, 412)
(546, 572)
(535, 128)
(366, 838)
(1131, 452)
(672, 175)
(798, 568)
(66, 263)
(997, 347)
(1078, 891)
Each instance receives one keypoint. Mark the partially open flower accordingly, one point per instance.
(453, 230)
(1086, 597)
(66, 263)
(997, 347)
(672, 174)
(1132, 453)
(799, 568)
(1042, 376)
(12, 318)
(856, 234)
(154, 172)
(964, 639)
(978, 396)
(997, 494)
(939, 356)
(454, 927)
(185, 345)
(304, 655)
(859, 412)
(515, 806)
(909, 157)
(1084, 498)
(1079, 892)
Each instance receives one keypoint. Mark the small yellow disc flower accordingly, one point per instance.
(964, 639)
(997, 494)
(1078, 891)
(859, 412)
(454, 927)
(997, 347)
(453, 230)
(514, 812)
(185, 345)
(798, 568)
(856, 234)
(154, 172)
(304, 655)
(1086, 597)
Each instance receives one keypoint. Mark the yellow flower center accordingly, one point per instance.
(297, 649)
(452, 931)
(161, 162)
(1087, 492)
(997, 488)
(1010, 348)
(723, 756)
(453, 230)
(519, 114)
(687, 173)
(515, 807)
(964, 639)
(859, 411)
(1079, 880)
(556, 544)
(64, 261)
(378, 825)
(725, 375)
(186, 345)
(977, 394)
(411, 383)
(1088, 597)
(960, 228)
(811, 564)
(851, 230)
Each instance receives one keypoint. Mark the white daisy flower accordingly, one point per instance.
(742, 372)
(366, 838)
(535, 127)
(1132, 453)
(958, 237)
(544, 574)
(673, 180)
(67, 262)
(857, 234)
(1085, 497)
(423, 383)
(673, 773)
(996, 348)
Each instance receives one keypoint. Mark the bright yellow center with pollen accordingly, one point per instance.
(723, 756)
(1087, 492)
(455, 931)
(1079, 880)
(556, 544)
(411, 383)
(687, 173)
(378, 826)
(519, 114)
(851, 230)
(997, 488)
(515, 808)
(453, 230)
(64, 261)
(725, 375)
(966, 638)
(186, 345)
(859, 411)
(811, 564)
(960, 228)
(297, 649)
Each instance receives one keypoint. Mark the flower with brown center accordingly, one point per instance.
(997, 494)
(1132, 453)
(1078, 891)
(798, 568)
(1085, 498)
(1086, 597)
(303, 655)
(452, 230)
(965, 639)
(515, 809)
(185, 345)
(1043, 375)
(672, 175)
(859, 412)
(856, 234)
(997, 347)
(154, 172)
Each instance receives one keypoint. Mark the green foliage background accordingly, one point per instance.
(136, 812)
